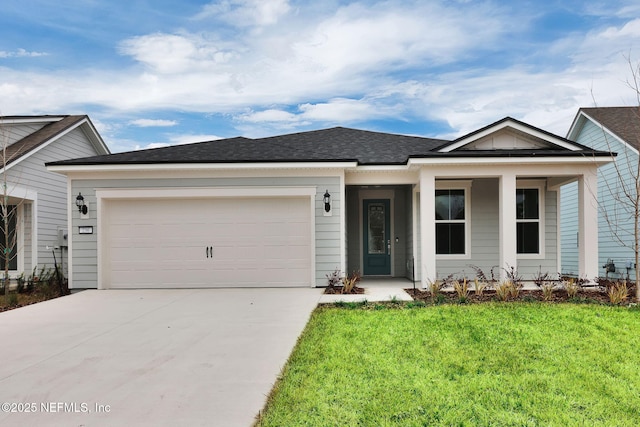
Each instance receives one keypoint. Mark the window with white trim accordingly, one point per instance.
(451, 221)
(528, 225)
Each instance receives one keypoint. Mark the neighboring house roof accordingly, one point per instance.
(54, 127)
(336, 144)
(624, 122)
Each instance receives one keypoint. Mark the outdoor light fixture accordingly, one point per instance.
(80, 204)
(327, 201)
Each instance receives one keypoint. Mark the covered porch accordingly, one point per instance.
(486, 216)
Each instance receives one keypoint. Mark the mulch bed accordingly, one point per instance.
(339, 290)
(24, 300)
(589, 295)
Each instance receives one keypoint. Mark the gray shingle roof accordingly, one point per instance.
(622, 121)
(328, 145)
(39, 137)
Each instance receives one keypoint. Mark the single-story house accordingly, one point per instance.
(288, 210)
(614, 129)
(37, 198)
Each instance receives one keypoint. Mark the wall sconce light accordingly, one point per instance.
(327, 201)
(80, 204)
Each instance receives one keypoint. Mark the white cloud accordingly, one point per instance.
(245, 13)
(630, 29)
(317, 64)
(21, 53)
(179, 140)
(153, 123)
(175, 53)
(344, 54)
(270, 115)
(362, 36)
(343, 110)
(151, 145)
(338, 110)
(190, 138)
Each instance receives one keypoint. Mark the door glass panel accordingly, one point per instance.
(376, 229)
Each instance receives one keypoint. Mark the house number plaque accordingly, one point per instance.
(85, 229)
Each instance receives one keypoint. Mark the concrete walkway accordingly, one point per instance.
(148, 357)
(375, 290)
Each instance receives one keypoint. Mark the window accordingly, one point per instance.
(528, 220)
(13, 237)
(451, 226)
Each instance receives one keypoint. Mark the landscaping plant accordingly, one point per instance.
(506, 290)
(435, 287)
(572, 287)
(462, 289)
(618, 292)
(480, 286)
(546, 283)
(350, 282)
(334, 278)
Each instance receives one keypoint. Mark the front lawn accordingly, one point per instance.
(495, 364)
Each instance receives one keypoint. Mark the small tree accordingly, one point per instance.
(8, 208)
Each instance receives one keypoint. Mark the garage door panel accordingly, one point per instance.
(163, 243)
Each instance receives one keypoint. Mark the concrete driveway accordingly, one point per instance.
(148, 357)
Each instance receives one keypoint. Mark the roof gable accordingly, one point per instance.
(46, 129)
(508, 139)
(623, 122)
(510, 134)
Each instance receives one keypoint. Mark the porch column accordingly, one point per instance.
(588, 226)
(507, 216)
(427, 227)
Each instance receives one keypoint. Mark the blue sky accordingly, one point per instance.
(157, 72)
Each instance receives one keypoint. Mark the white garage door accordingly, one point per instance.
(214, 242)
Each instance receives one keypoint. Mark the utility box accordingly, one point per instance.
(63, 238)
(610, 266)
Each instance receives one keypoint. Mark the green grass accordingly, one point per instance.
(496, 364)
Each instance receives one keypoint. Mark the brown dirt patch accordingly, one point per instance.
(340, 290)
(589, 295)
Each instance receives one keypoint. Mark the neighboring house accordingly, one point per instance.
(38, 195)
(288, 210)
(614, 129)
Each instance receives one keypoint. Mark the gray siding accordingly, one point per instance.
(398, 239)
(409, 235)
(327, 228)
(620, 213)
(51, 201)
(569, 229)
(401, 216)
(485, 234)
(529, 267)
(353, 231)
(11, 133)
